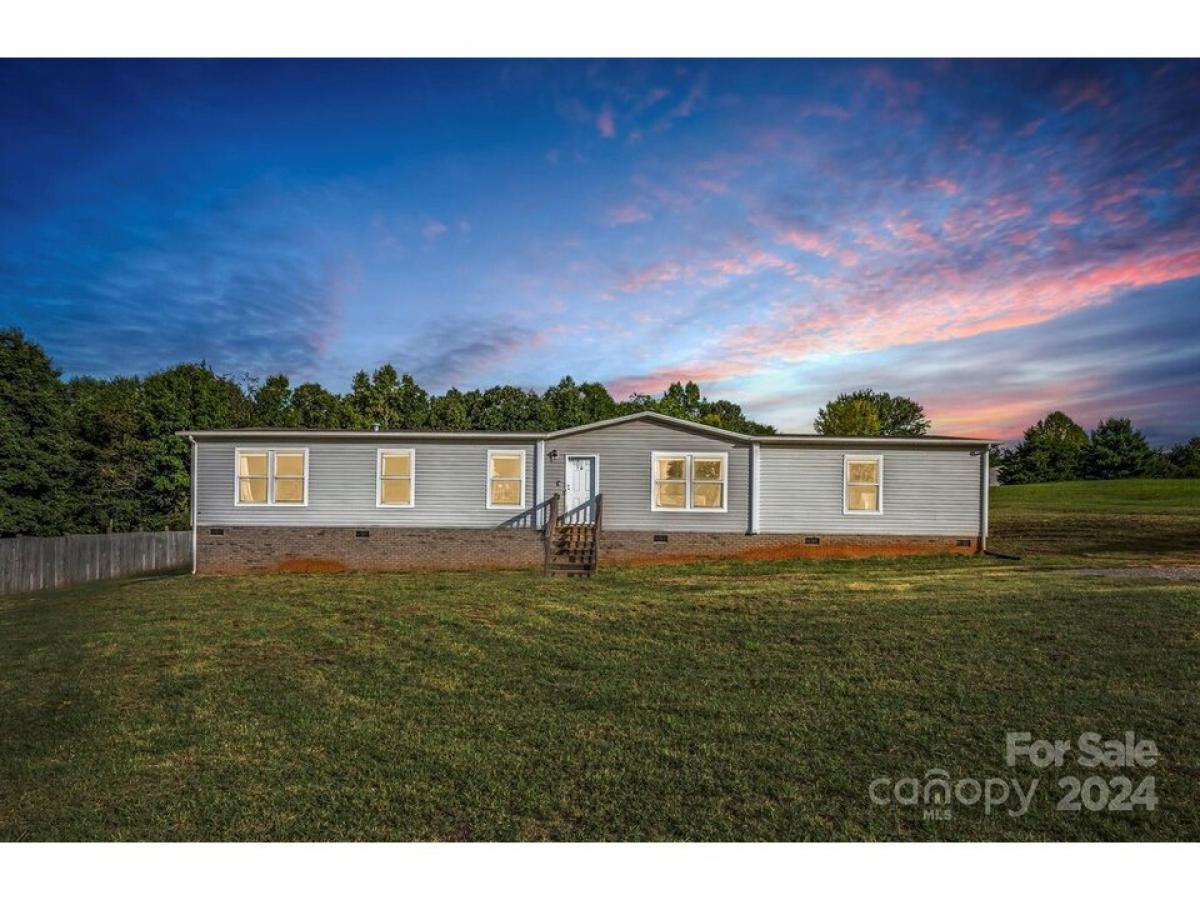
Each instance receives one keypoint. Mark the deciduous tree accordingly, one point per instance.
(34, 458)
(897, 416)
(849, 416)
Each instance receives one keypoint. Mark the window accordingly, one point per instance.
(271, 477)
(670, 482)
(863, 485)
(689, 481)
(506, 479)
(395, 476)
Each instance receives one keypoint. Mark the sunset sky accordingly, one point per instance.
(994, 239)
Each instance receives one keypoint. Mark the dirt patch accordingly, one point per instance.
(311, 564)
(845, 551)
(1171, 573)
(792, 551)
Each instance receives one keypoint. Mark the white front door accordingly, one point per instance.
(581, 485)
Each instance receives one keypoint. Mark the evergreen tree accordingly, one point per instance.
(1183, 460)
(1118, 450)
(1051, 450)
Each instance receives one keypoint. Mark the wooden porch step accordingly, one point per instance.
(572, 549)
(571, 570)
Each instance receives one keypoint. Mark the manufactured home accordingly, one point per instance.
(637, 488)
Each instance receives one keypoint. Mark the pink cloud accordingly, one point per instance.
(433, 230)
(1023, 238)
(1006, 414)
(702, 372)
(1118, 195)
(824, 110)
(653, 96)
(627, 214)
(947, 186)
(1031, 128)
(605, 123)
(939, 304)
(809, 241)
(912, 231)
(1063, 218)
(897, 92)
(977, 221)
(661, 272)
(813, 242)
(1083, 93)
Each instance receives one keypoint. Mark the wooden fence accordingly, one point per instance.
(32, 564)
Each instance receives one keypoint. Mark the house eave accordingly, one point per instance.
(668, 421)
(285, 434)
(876, 441)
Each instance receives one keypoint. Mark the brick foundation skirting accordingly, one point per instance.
(639, 547)
(242, 549)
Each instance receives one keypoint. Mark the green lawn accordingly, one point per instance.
(1151, 521)
(707, 702)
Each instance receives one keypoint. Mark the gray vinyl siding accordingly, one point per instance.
(451, 485)
(624, 452)
(934, 491)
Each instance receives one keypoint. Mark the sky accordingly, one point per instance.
(996, 239)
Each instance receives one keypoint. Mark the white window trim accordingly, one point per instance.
(270, 501)
(687, 480)
(862, 457)
(412, 477)
(487, 480)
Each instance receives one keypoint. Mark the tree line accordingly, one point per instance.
(88, 455)
(1054, 449)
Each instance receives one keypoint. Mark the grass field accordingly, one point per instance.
(1149, 521)
(744, 701)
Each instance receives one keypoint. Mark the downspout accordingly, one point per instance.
(195, 452)
(539, 484)
(984, 497)
(755, 484)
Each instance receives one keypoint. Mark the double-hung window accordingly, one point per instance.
(862, 485)
(506, 479)
(271, 477)
(689, 481)
(395, 472)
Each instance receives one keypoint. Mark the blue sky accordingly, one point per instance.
(997, 239)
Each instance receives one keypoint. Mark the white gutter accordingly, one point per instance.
(539, 481)
(985, 493)
(755, 485)
(195, 453)
(835, 439)
(300, 434)
(519, 436)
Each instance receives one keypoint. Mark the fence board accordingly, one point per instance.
(33, 564)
